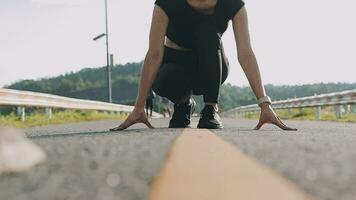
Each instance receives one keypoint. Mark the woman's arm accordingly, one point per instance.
(248, 62)
(151, 65)
(245, 53)
(154, 55)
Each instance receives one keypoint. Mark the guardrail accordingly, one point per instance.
(342, 102)
(23, 99)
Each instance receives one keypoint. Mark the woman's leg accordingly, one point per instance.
(174, 79)
(213, 65)
(212, 72)
(173, 82)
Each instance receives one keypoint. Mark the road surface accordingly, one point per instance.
(85, 161)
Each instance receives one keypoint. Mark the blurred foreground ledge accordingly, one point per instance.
(17, 153)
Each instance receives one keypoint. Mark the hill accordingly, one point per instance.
(90, 83)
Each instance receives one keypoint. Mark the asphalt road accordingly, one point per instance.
(85, 161)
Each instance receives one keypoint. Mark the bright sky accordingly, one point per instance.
(295, 42)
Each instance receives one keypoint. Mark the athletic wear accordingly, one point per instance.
(203, 69)
(182, 114)
(180, 76)
(209, 118)
(184, 19)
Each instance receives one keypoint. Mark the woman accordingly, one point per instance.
(186, 57)
(149, 103)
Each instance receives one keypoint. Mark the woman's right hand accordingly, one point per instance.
(137, 116)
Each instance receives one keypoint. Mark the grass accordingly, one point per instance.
(327, 114)
(68, 116)
(59, 117)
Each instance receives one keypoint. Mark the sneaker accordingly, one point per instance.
(182, 114)
(209, 118)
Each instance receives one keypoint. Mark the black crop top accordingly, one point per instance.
(183, 18)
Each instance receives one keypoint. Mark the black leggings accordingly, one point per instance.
(200, 71)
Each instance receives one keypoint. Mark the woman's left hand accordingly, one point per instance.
(269, 116)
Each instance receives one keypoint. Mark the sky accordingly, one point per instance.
(295, 42)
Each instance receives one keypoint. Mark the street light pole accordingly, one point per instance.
(108, 66)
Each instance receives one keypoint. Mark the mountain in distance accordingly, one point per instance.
(90, 83)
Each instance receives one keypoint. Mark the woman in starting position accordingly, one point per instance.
(186, 57)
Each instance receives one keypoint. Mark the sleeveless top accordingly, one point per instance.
(183, 18)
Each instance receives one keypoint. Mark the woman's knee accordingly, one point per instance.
(173, 82)
(162, 80)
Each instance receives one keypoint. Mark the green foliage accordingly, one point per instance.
(303, 113)
(90, 83)
(327, 114)
(59, 117)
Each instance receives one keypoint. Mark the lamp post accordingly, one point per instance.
(108, 66)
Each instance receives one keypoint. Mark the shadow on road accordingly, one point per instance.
(105, 132)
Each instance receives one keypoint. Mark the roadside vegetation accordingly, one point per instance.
(90, 83)
(327, 114)
(59, 117)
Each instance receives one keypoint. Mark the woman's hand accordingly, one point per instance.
(137, 116)
(269, 116)
(150, 68)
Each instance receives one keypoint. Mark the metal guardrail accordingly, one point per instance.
(23, 99)
(336, 99)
